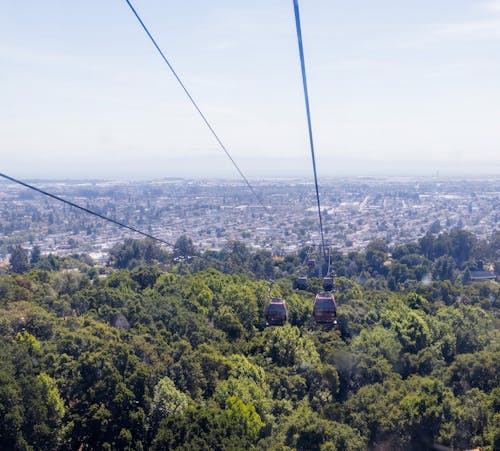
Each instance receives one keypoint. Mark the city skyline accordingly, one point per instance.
(395, 90)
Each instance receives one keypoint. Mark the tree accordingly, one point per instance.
(417, 302)
(262, 265)
(375, 411)
(305, 430)
(424, 408)
(237, 257)
(133, 252)
(463, 244)
(426, 244)
(145, 275)
(35, 255)
(479, 370)
(167, 400)
(247, 382)
(245, 415)
(358, 370)
(322, 384)
(435, 227)
(443, 268)
(376, 256)
(184, 247)
(45, 410)
(413, 332)
(378, 342)
(11, 411)
(18, 261)
(469, 421)
(287, 347)
(243, 302)
(398, 274)
(470, 325)
(226, 320)
(442, 245)
(209, 427)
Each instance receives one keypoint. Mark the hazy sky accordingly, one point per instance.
(397, 87)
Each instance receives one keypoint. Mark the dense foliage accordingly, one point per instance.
(169, 351)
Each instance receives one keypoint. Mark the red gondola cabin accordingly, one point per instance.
(325, 309)
(276, 312)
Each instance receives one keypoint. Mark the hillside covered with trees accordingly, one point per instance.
(170, 350)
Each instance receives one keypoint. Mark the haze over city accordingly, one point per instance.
(396, 88)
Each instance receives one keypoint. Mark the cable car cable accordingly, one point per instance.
(106, 218)
(86, 210)
(205, 120)
(308, 113)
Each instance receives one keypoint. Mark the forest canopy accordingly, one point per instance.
(167, 350)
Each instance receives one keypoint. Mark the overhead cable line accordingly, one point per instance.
(86, 210)
(205, 120)
(106, 218)
(308, 113)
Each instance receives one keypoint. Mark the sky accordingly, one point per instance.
(408, 87)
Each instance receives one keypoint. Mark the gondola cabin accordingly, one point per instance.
(301, 283)
(325, 309)
(276, 312)
(311, 263)
(328, 284)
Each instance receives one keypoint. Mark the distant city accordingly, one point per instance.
(213, 212)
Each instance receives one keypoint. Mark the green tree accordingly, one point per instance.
(398, 274)
(378, 342)
(479, 370)
(425, 408)
(468, 425)
(376, 256)
(245, 415)
(243, 302)
(305, 430)
(167, 400)
(209, 427)
(286, 346)
(44, 411)
(184, 247)
(443, 268)
(411, 328)
(462, 245)
(18, 261)
(11, 409)
(417, 302)
(247, 382)
(375, 411)
(35, 255)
